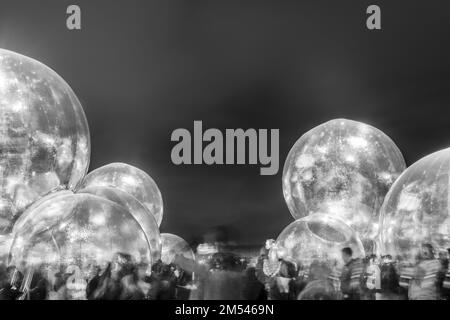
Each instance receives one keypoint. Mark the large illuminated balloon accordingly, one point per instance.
(173, 245)
(317, 238)
(78, 229)
(129, 179)
(416, 210)
(44, 135)
(343, 168)
(137, 209)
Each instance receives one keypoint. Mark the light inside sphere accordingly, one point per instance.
(44, 212)
(90, 232)
(131, 180)
(141, 213)
(173, 245)
(318, 238)
(343, 168)
(416, 209)
(44, 135)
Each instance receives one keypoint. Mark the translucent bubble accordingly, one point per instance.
(43, 212)
(416, 209)
(173, 245)
(131, 180)
(44, 135)
(81, 230)
(137, 209)
(343, 168)
(316, 238)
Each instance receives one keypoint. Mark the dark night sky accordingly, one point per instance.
(143, 68)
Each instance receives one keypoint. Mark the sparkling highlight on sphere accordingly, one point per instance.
(131, 180)
(343, 168)
(173, 245)
(317, 238)
(141, 213)
(82, 230)
(416, 209)
(44, 135)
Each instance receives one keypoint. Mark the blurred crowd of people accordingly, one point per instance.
(225, 275)
(371, 278)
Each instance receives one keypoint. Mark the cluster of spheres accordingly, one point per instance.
(344, 182)
(342, 168)
(417, 208)
(44, 135)
(51, 213)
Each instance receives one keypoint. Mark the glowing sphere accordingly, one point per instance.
(44, 135)
(137, 209)
(42, 212)
(343, 168)
(317, 238)
(416, 209)
(131, 180)
(173, 245)
(78, 229)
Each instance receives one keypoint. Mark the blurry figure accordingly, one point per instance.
(184, 283)
(443, 259)
(390, 284)
(424, 284)
(143, 279)
(373, 279)
(163, 283)
(253, 289)
(93, 281)
(220, 279)
(98, 285)
(320, 283)
(130, 287)
(351, 276)
(10, 281)
(112, 283)
(38, 285)
(446, 282)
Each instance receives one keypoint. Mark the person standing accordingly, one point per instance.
(424, 284)
(373, 282)
(351, 275)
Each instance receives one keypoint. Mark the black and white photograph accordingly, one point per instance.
(224, 150)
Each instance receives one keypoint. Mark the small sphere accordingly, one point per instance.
(131, 180)
(317, 238)
(173, 245)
